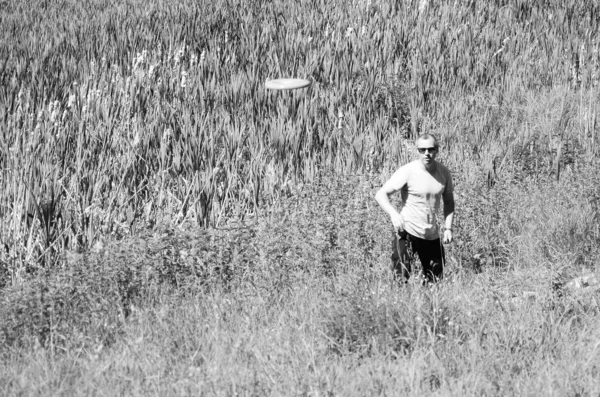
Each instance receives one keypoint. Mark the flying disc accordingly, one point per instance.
(286, 84)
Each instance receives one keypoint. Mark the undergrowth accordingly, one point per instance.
(169, 227)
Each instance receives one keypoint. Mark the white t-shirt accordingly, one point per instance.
(421, 195)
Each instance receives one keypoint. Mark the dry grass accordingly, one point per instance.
(169, 227)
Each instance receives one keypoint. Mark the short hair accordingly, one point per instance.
(428, 136)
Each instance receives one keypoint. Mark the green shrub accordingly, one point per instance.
(88, 297)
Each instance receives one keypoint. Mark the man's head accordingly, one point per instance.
(427, 145)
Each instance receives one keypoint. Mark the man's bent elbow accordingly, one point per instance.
(381, 196)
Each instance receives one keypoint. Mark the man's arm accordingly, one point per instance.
(448, 216)
(383, 199)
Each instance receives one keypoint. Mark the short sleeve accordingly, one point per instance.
(449, 188)
(398, 180)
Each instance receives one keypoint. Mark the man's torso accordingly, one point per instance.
(421, 195)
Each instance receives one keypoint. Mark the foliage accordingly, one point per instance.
(170, 227)
(90, 295)
(137, 113)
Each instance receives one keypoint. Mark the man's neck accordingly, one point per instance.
(431, 167)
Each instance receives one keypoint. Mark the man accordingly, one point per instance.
(423, 183)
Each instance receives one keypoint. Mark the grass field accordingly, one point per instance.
(170, 227)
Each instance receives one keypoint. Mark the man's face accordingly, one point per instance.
(427, 150)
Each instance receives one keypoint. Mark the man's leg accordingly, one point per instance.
(400, 255)
(431, 254)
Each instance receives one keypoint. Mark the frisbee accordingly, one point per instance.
(286, 84)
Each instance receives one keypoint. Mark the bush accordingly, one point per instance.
(87, 299)
(367, 322)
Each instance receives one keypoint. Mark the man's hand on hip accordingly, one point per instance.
(398, 222)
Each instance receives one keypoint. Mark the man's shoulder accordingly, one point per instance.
(411, 165)
(444, 170)
(446, 176)
(408, 168)
(404, 173)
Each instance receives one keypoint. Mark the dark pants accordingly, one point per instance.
(430, 252)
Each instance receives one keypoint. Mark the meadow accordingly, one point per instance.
(170, 227)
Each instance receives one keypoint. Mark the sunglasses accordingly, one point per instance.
(427, 149)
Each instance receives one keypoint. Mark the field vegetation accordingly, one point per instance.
(170, 227)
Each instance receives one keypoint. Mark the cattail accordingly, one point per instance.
(136, 139)
(179, 55)
(226, 37)
(134, 63)
(141, 59)
(219, 173)
(595, 67)
(167, 134)
(54, 110)
(575, 72)
(71, 101)
(183, 79)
